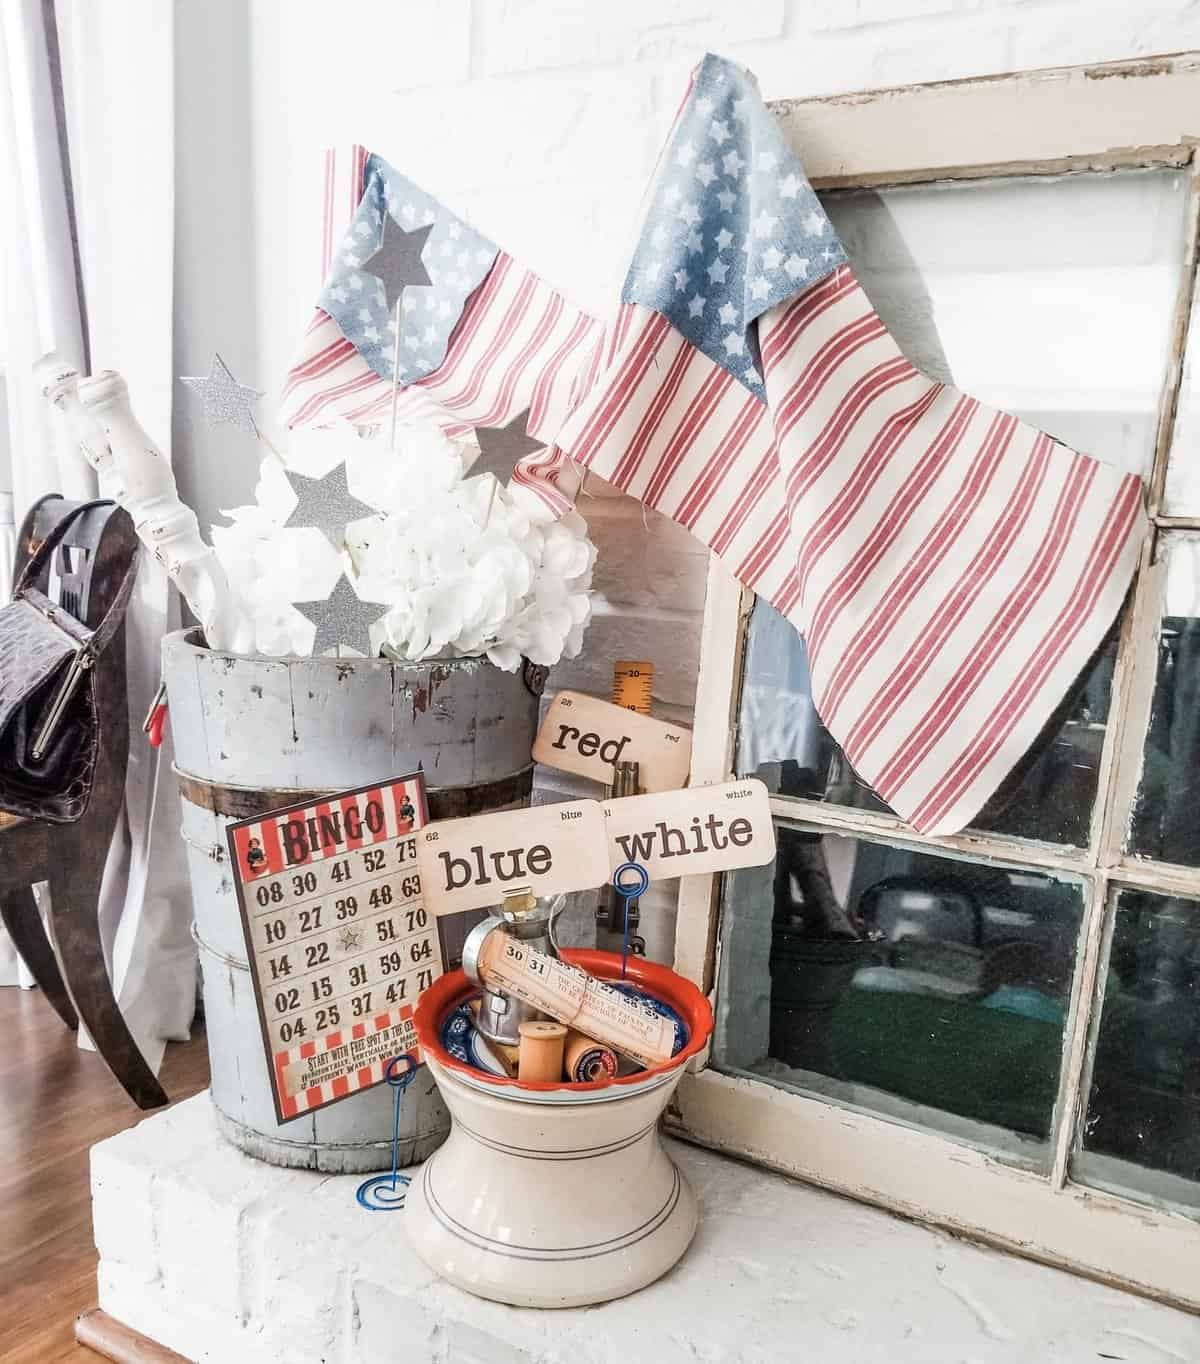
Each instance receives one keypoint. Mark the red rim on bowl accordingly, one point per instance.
(450, 990)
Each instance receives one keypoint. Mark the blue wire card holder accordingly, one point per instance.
(386, 1193)
(629, 890)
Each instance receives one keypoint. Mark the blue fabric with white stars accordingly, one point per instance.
(456, 258)
(734, 227)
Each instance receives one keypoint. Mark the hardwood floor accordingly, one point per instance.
(55, 1102)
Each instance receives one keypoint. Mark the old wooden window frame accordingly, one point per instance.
(1119, 115)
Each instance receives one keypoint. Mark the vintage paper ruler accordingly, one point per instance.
(633, 683)
(339, 939)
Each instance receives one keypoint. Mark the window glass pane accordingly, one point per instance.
(1142, 1129)
(1166, 817)
(780, 739)
(928, 989)
(1051, 296)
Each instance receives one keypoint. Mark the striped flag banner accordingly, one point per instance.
(952, 569)
(483, 343)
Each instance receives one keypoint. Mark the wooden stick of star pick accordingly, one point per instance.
(261, 434)
(395, 372)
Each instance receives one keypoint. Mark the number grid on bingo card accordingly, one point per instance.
(339, 941)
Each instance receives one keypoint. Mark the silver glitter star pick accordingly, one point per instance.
(326, 503)
(343, 618)
(501, 448)
(397, 261)
(224, 399)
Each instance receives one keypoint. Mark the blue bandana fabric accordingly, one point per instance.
(734, 227)
(456, 259)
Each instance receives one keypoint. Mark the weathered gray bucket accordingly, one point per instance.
(252, 734)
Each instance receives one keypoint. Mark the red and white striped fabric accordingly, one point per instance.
(518, 345)
(323, 829)
(388, 1034)
(951, 568)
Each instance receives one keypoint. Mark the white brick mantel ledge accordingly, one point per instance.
(229, 1261)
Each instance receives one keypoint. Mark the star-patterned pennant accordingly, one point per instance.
(343, 618)
(501, 448)
(223, 398)
(734, 227)
(326, 503)
(399, 233)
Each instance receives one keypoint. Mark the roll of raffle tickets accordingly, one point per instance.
(573, 997)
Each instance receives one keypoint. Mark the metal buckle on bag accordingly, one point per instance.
(79, 665)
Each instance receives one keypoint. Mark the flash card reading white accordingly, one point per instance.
(702, 829)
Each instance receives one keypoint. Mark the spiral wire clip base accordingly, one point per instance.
(386, 1193)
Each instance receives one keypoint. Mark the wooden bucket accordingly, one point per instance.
(252, 734)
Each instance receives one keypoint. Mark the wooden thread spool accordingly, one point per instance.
(541, 1055)
(585, 1059)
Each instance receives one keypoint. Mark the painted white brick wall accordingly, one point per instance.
(540, 122)
(294, 1272)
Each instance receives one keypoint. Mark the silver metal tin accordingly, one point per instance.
(500, 1015)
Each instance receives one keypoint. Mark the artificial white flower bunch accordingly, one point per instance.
(465, 566)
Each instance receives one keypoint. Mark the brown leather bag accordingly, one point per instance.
(49, 716)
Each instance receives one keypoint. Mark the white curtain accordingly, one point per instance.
(38, 303)
(117, 59)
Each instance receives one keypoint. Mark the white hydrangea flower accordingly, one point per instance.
(467, 567)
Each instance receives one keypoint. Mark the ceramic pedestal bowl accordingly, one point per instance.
(554, 1195)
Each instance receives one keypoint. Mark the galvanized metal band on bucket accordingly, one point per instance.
(445, 802)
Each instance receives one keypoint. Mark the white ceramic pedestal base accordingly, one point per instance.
(551, 1204)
